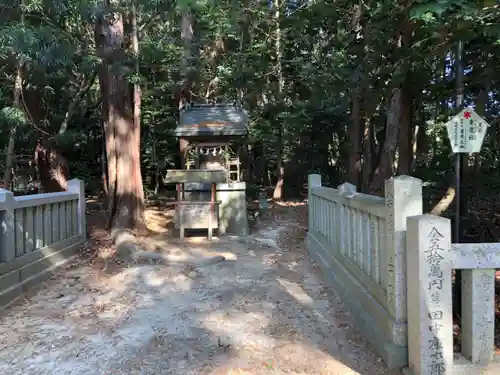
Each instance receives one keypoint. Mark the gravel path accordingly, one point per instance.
(262, 311)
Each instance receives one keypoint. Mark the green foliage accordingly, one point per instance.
(11, 117)
(235, 50)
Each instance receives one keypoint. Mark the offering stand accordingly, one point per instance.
(196, 214)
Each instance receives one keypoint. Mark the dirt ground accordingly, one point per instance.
(264, 310)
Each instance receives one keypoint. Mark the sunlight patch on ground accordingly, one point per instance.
(268, 236)
(241, 328)
(296, 291)
(253, 313)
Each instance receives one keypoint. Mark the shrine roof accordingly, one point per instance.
(212, 120)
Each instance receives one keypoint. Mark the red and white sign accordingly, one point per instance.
(466, 131)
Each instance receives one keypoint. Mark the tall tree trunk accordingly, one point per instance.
(368, 149)
(187, 36)
(405, 154)
(399, 111)
(18, 91)
(355, 130)
(421, 140)
(442, 109)
(136, 147)
(104, 164)
(481, 102)
(280, 170)
(385, 168)
(125, 197)
(355, 137)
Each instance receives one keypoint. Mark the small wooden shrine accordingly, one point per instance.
(210, 193)
(210, 137)
(196, 214)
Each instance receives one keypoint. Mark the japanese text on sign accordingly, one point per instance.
(466, 131)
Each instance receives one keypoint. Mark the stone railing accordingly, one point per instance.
(38, 233)
(359, 242)
(431, 259)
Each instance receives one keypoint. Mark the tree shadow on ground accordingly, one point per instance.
(262, 311)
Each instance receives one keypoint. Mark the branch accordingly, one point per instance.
(148, 21)
(83, 90)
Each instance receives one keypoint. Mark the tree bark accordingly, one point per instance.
(18, 91)
(385, 168)
(444, 202)
(52, 167)
(136, 147)
(481, 103)
(355, 138)
(368, 151)
(420, 144)
(405, 154)
(187, 36)
(280, 170)
(125, 193)
(398, 125)
(355, 131)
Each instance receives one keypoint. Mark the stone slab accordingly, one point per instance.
(37, 255)
(181, 176)
(363, 290)
(44, 198)
(33, 273)
(370, 204)
(9, 296)
(9, 280)
(394, 356)
(196, 215)
(475, 255)
(462, 366)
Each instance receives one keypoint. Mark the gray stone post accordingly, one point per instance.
(478, 315)
(403, 198)
(76, 186)
(7, 229)
(313, 180)
(430, 320)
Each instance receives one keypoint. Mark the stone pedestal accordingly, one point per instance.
(233, 217)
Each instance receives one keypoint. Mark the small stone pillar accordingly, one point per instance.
(7, 229)
(403, 198)
(430, 320)
(478, 315)
(233, 217)
(313, 180)
(77, 186)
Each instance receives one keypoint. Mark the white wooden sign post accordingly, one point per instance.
(466, 131)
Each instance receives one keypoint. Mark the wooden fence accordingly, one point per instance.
(38, 233)
(363, 247)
